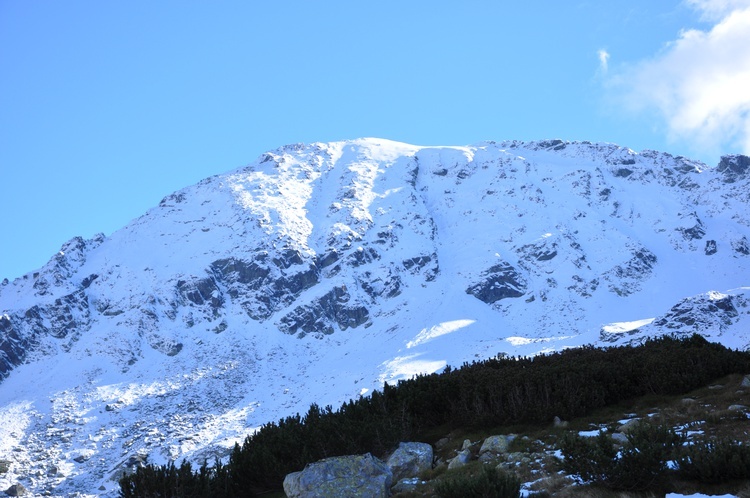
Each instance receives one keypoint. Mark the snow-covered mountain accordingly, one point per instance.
(320, 271)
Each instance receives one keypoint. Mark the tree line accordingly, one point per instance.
(480, 395)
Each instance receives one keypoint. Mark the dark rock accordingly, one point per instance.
(362, 256)
(16, 490)
(741, 246)
(13, 347)
(4, 466)
(200, 292)
(417, 262)
(710, 247)
(237, 271)
(623, 172)
(287, 258)
(86, 282)
(500, 281)
(328, 259)
(390, 286)
(555, 144)
(261, 290)
(172, 199)
(319, 316)
(627, 277)
(356, 476)
(733, 167)
(695, 232)
(696, 314)
(174, 349)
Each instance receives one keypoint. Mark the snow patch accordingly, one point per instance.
(438, 330)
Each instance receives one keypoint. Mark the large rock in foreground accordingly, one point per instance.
(352, 476)
(410, 460)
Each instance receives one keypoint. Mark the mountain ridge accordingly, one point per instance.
(290, 270)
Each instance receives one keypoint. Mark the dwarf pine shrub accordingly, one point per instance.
(715, 461)
(638, 465)
(489, 482)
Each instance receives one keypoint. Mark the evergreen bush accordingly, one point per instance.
(488, 483)
(715, 461)
(638, 465)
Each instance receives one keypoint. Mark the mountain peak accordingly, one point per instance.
(318, 272)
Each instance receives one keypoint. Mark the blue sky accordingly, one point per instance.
(106, 107)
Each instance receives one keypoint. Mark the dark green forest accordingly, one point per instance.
(482, 395)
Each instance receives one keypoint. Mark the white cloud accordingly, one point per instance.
(699, 85)
(713, 10)
(603, 59)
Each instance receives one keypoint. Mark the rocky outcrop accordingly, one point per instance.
(333, 308)
(741, 246)
(710, 248)
(13, 346)
(355, 476)
(712, 311)
(733, 167)
(500, 281)
(410, 460)
(625, 279)
(265, 284)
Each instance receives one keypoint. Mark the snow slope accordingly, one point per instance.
(320, 271)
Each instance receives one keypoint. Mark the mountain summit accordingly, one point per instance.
(319, 272)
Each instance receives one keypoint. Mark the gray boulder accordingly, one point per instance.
(353, 476)
(410, 460)
(463, 457)
(16, 490)
(495, 444)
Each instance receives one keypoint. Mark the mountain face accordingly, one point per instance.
(319, 272)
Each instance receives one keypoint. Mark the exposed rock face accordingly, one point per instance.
(356, 476)
(13, 346)
(332, 308)
(627, 278)
(410, 460)
(710, 247)
(697, 314)
(734, 167)
(500, 281)
(265, 284)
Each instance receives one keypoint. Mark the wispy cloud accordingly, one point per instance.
(698, 85)
(603, 59)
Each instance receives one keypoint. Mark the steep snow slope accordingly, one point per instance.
(319, 272)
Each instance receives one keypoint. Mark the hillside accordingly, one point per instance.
(318, 272)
